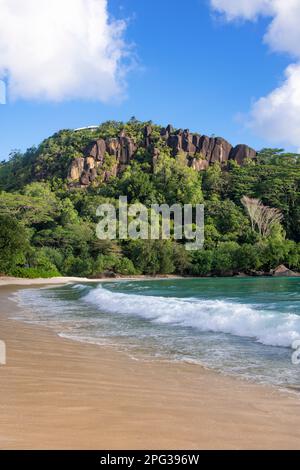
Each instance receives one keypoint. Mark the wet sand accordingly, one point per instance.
(60, 394)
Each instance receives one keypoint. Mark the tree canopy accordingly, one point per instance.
(47, 227)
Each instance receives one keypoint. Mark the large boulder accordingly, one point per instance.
(96, 150)
(170, 129)
(187, 142)
(123, 148)
(196, 140)
(240, 153)
(164, 134)
(199, 164)
(89, 163)
(93, 174)
(85, 178)
(283, 271)
(206, 146)
(214, 149)
(175, 142)
(221, 151)
(113, 146)
(147, 136)
(76, 169)
(127, 149)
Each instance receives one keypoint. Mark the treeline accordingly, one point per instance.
(48, 229)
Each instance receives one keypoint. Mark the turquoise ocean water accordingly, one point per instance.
(242, 326)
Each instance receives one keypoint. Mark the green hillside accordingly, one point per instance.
(48, 212)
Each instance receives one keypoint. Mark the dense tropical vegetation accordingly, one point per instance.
(48, 228)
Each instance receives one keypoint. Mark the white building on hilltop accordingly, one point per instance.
(90, 128)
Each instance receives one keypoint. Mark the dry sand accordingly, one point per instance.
(60, 394)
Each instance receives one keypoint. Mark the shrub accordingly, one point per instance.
(201, 262)
(125, 267)
(33, 273)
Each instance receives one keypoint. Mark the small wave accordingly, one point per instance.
(79, 286)
(218, 316)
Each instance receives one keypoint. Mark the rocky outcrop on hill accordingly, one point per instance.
(76, 169)
(201, 151)
(242, 152)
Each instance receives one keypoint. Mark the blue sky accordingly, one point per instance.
(193, 69)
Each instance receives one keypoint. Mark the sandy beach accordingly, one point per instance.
(60, 394)
(54, 281)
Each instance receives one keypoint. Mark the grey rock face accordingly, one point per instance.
(127, 148)
(201, 151)
(196, 140)
(96, 150)
(76, 169)
(199, 164)
(85, 178)
(242, 152)
(188, 142)
(113, 146)
(221, 151)
(147, 136)
(175, 142)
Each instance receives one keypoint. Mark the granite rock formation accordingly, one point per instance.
(242, 152)
(76, 169)
(283, 271)
(201, 151)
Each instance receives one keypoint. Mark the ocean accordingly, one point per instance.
(243, 327)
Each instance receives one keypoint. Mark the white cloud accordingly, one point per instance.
(247, 9)
(2, 92)
(61, 49)
(284, 33)
(276, 116)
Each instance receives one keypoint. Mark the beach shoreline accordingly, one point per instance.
(55, 281)
(62, 280)
(61, 394)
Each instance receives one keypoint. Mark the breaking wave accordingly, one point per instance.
(218, 316)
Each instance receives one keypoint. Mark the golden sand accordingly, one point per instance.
(60, 394)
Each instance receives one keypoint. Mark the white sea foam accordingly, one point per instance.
(266, 327)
